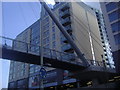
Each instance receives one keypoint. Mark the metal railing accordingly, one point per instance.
(25, 47)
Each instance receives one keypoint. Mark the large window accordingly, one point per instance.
(111, 6)
(116, 26)
(113, 16)
(117, 39)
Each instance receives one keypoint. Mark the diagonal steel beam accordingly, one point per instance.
(68, 37)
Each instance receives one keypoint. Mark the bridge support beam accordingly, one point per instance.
(64, 32)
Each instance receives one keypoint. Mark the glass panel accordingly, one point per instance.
(113, 16)
(117, 39)
(116, 26)
(111, 6)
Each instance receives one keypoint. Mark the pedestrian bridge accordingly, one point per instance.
(16, 50)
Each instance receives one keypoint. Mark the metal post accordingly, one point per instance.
(68, 37)
(41, 54)
(13, 45)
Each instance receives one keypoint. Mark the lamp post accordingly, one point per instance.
(41, 54)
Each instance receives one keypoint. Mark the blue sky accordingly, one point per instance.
(16, 17)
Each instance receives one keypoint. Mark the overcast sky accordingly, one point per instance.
(16, 17)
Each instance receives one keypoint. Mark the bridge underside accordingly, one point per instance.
(103, 74)
(35, 59)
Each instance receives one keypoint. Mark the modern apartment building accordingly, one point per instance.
(82, 24)
(111, 13)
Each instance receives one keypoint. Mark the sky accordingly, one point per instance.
(16, 17)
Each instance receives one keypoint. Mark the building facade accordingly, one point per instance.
(112, 20)
(81, 23)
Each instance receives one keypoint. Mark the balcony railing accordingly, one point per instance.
(67, 47)
(66, 21)
(68, 28)
(65, 7)
(63, 39)
(65, 14)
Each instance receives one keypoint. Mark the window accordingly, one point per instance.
(22, 73)
(34, 81)
(46, 20)
(53, 29)
(47, 46)
(45, 34)
(10, 77)
(54, 45)
(53, 37)
(37, 68)
(113, 16)
(116, 26)
(46, 27)
(46, 40)
(31, 70)
(11, 71)
(53, 23)
(117, 39)
(14, 75)
(111, 6)
(23, 66)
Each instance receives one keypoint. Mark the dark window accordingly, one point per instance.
(53, 37)
(12, 85)
(111, 6)
(117, 39)
(53, 23)
(54, 45)
(116, 26)
(113, 16)
(53, 29)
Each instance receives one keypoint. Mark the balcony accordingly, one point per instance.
(66, 21)
(63, 39)
(67, 48)
(68, 29)
(66, 7)
(65, 14)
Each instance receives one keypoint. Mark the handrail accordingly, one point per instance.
(64, 54)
